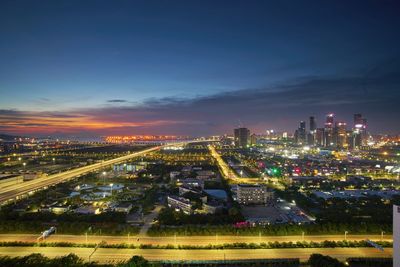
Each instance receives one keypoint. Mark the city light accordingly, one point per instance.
(212, 133)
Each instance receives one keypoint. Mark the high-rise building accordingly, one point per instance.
(303, 126)
(340, 135)
(312, 134)
(242, 137)
(313, 124)
(320, 137)
(300, 134)
(359, 135)
(334, 133)
(356, 139)
(330, 119)
(253, 139)
(328, 132)
(358, 119)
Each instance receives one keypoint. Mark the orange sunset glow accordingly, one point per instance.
(46, 124)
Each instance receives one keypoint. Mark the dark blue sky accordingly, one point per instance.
(196, 67)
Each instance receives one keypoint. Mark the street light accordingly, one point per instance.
(111, 186)
(104, 178)
(54, 160)
(345, 235)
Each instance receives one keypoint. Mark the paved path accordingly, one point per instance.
(187, 240)
(148, 220)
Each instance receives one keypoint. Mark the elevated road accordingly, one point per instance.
(111, 255)
(17, 191)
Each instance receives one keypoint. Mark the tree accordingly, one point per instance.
(233, 211)
(318, 260)
(136, 261)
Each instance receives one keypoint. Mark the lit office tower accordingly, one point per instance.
(242, 137)
(313, 130)
(313, 124)
(359, 135)
(328, 132)
(300, 134)
(253, 139)
(358, 119)
(340, 135)
(303, 126)
(320, 137)
(330, 118)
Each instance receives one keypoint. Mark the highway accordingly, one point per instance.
(226, 170)
(187, 240)
(14, 192)
(49, 151)
(107, 255)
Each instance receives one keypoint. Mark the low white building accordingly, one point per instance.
(123, 207)
(212, 207)
(88, 210)
(180, 203)
(254, 194)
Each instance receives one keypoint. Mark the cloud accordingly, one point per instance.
(117, 101)
(374, 94)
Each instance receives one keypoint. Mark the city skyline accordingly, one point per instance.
(178, 68)
(199, 133)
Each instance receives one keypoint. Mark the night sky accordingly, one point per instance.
(196, 67)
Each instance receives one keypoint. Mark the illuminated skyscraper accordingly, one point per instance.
(320, 137)
(340, 135)
(242, 137)
(313, 130)
(300, 134)
(313, 124)
(330, 119)
(253, 139)
(358, 119)
(359, 135)
(328, 132)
